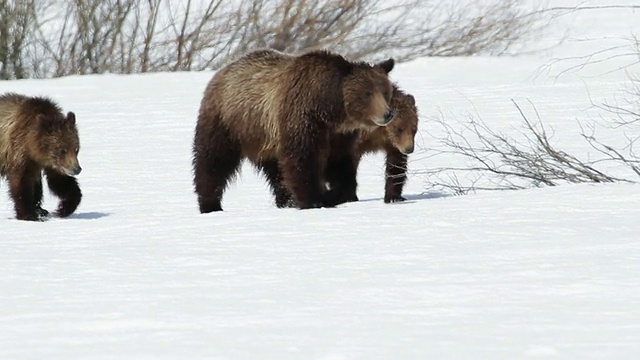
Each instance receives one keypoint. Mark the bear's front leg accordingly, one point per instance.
(66, 188)
(300, 163)
(301, 179)
(37, 197)
(21, 185)
(341, 174)
(396, 176)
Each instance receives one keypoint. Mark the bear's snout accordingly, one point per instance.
(408, 150)
(73, 170)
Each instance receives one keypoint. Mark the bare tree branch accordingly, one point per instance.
(126, 36)
(499, 162)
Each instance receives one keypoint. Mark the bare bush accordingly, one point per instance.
(451, 28)
(496, 161)
(61, 37)
(17, 20)
(493, 160)
(377, 28)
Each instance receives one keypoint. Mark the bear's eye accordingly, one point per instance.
(368, 93)
(63, 152)
(399, 130)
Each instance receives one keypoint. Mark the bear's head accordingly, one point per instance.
(59, 144)
(367, 94)
(402, 131)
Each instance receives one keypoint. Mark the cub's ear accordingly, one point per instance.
(71, 117)
(387, 65)
(411, 99)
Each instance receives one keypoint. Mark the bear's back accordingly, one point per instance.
(10, 104)
(254, 79)
(253, 93)
(265, 81)
(18, 118)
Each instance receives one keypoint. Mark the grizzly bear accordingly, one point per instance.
(36, 136)
(275, 108)
(347, 149)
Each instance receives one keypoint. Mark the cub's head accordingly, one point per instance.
(402, 131)
(59, 143)
(367, 94)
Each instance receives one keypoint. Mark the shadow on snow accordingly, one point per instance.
(413, 197)
(89, 215)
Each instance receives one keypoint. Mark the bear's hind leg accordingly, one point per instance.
(67, 189)
(216, 160)
(21, 189)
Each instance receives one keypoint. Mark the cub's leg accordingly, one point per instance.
(37, 195)
(21, 189)
(67, 189)
(396, 176)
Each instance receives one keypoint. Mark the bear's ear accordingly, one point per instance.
(71, 117)
(387, 65)
(412, 100)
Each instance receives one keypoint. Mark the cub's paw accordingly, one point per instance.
(32, 217)
(43, 213)
(393, 199)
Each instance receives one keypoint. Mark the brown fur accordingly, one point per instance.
(276, 108)
(36, 136)
(347, 149)
(396, 140)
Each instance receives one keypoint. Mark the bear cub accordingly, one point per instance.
(35, 136)
(397, 140)
(347, 150)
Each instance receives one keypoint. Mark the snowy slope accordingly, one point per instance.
(138, 273)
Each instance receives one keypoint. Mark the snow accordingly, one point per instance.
(138, 273)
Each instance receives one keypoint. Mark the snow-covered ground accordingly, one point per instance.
(138, 273)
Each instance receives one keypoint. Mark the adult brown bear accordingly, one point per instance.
(36, 136)
(278, 110)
